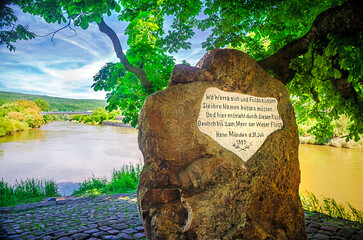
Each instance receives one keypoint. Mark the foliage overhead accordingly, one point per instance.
(315, 47)
(9, 31)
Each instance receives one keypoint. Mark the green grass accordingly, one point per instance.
(330, 207)
(124, 180)
(28, 191)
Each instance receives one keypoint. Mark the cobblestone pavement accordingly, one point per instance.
(116, 217)
(110, 217)
(322, 227)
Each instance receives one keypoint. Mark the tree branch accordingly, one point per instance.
(103, 27)
(344, 88)
(60, 29)
(343, 19)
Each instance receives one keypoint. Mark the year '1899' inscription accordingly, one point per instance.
(238, 122)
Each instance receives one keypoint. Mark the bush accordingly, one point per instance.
(16, 116)
(9, 107)
(6, 126)
(28, 104)
(99, 115)
(19, 126)
(35, 120)
(20, 115)
(42, 104)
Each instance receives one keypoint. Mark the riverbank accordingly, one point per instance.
(117, 217)
(334, 142)
(116, 123)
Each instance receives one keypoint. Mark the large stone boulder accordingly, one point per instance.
(220, 147)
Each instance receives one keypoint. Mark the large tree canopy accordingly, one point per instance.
(314, 47)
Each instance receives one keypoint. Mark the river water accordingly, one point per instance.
(67, 152)
(72, 152)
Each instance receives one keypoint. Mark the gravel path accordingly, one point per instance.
(117, 217)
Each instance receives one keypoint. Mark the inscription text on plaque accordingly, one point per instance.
(238, 122)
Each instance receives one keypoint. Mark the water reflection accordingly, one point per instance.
(31, 134)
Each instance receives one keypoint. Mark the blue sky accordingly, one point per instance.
(66, 69)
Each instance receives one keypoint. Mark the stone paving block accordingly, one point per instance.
(139, 235)
(311, 229)
(320, 237)
(129, 230)
(27, 237)
(65, 238)
(113, 232)
(105, 228)
(314, 225)
(99, 234)
(47, 238)
(124, 236)
(111, 237)
(94, 230)
(331, 229)
(139, 228)
(120, 226)
(80, 236)
(325, 232)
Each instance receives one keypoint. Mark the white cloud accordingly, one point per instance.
(66, 69)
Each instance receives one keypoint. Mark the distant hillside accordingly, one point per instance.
(59, 104)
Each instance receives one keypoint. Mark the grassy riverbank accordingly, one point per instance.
(28, 191)
(330, 207)
(124, 180)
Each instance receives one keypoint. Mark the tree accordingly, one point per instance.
(314, 47)
(99, 115)
(42, 104)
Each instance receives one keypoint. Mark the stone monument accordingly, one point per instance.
(220, 147)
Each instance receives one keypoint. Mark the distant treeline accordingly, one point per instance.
(55, 103)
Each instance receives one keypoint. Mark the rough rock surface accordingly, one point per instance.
(193, 188)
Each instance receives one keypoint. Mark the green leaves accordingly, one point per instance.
(125, 92)
(326, 67)
(336, 73)
(84, 24)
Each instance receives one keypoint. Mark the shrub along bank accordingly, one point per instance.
(21, 115)
(97, 117)
(335, 134)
